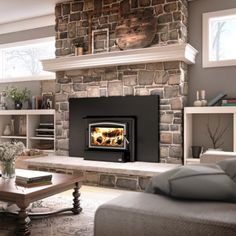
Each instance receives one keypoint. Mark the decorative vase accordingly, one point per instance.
(7, 130)
(18, 105)
(197, 102)
(197, 151)
(203, 98)
(8, 169)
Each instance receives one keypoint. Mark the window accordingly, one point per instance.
(219, 37)
(21, 61)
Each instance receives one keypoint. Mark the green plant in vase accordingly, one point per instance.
(8, 154)
(18, 96)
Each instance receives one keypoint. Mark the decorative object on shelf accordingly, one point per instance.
(216, 133)
(100, 40)
(7, 130)
(79, 49)
(216, 100)
(47, 101)
(136, 30)
(197, 103)
(18, 96)
(12, 126)
(38, 102)
(8, 154)
(197, 151)
(203, 98)
(33, 102)
(3, 95)
(22, 126)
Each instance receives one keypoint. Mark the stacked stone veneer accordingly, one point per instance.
(167, 79)
(110, 180)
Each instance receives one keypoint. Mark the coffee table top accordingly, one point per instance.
(11, 192)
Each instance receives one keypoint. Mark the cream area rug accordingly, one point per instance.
(66, 223)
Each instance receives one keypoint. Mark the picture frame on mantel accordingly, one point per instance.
(100, 37)
(47, 100)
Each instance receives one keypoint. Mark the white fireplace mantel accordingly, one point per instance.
(173, 52)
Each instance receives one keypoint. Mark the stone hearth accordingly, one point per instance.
(132, 176)
(74, 23)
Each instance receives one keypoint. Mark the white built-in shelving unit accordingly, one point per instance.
(189, 112)
(32, 120)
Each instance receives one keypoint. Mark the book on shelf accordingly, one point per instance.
(228, 104)
(32, 177)
(45, 130)
(46, 125)
(45, 135)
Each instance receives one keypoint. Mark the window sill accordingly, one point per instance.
(208, 64)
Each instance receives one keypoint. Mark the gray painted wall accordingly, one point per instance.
(42, 32)
(213, 80)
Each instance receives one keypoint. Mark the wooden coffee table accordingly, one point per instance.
(22, 197)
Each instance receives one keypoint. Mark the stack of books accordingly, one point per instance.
(32, 179)
(45, 130)
(229, 102)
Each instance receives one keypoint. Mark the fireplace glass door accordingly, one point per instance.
(107, 135)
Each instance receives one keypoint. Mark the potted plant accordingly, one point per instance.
(18, 96)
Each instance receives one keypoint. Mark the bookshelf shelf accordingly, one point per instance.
(42, 138)
(32, 118)
(13, 137)
(189, 113)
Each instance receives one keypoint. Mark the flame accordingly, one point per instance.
(109, 137)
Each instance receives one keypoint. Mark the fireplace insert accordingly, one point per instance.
(110, 138)
(107, 135)
(136, 116)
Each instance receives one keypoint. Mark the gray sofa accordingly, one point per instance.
(145, 214)
(148, 214)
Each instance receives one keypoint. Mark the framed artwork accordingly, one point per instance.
(100, 40)
(47, 101)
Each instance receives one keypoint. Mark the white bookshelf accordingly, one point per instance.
(33, 119)
(189, 112)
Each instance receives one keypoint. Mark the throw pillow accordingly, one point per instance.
(229, 167)
(196, 182)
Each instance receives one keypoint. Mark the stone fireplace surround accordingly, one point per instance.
(167, 79)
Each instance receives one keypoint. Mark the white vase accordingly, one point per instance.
(7, 130)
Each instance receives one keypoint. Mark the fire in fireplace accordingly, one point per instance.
(110, 138)
(107, 135)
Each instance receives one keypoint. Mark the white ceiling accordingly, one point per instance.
(15, 10)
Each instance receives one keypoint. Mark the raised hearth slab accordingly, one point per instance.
(130, 175)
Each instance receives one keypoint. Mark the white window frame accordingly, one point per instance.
(27, 78)
(205, 39)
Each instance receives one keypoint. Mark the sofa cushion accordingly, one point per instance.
(229, 167)
(134, 214)
(199, 182)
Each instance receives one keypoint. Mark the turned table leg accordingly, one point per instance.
(76, 205)
(23, 223)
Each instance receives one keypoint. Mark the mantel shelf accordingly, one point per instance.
(174, 52)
